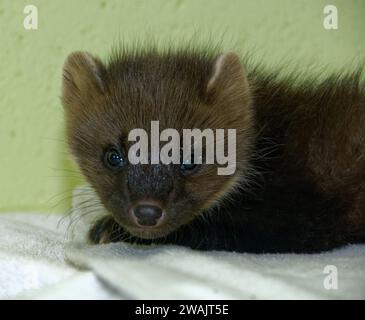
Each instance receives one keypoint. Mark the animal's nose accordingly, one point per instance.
(147, 215)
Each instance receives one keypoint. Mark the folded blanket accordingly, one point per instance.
(41, 258)
(31, 253)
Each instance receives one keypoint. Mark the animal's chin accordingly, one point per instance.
(148, 233)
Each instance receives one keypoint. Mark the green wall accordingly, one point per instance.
(35, 171)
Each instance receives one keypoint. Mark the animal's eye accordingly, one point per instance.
(187, 164)
(113, 159)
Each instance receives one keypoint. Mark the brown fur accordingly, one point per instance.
(299, 183)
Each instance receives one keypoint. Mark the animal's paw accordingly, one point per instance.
(104, 231)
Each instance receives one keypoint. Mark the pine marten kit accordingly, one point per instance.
(298, 183)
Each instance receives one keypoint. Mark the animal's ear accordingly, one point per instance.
(228, 83)
(83, 78)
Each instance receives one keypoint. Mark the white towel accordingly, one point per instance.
(31, 253)
(36, 261)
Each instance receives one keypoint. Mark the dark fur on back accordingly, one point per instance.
(300, 180)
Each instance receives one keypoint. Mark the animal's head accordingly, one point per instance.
(182, 90)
